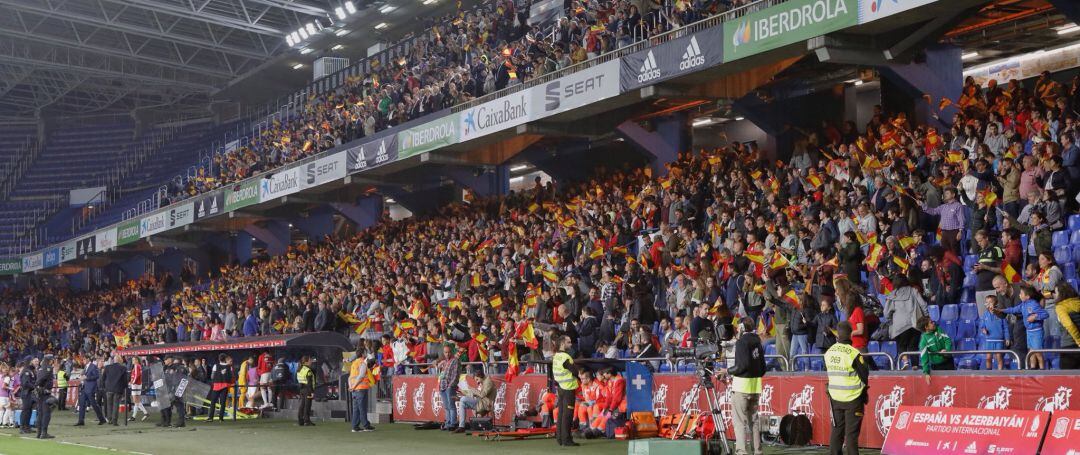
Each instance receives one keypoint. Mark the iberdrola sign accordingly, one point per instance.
(786, 23)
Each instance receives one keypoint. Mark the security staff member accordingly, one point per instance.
(61, 387)
(848, 377)
(27, 379)
(45, 401)
(746, 387)
(305, 376)
(565, 374)
(174, 371)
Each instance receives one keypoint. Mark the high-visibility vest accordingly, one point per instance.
(61, 378)
(305, 376)
(563, 376)
(844, 383)
(746, 385)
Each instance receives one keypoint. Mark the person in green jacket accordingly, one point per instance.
(933, 341)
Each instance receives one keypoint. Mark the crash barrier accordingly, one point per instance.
(416, 397)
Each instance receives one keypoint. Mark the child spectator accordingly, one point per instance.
(1033, 313)
(994, 331)
(931, 344)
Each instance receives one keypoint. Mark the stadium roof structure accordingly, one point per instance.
(299, 341)
(93, 57)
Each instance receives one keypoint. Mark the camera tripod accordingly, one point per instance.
(705, 384)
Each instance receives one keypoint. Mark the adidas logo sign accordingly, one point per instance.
(972, 448)
(649, 70)
(693, 56)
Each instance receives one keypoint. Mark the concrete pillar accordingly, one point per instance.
(133, 268)
(487, 183)
(939, 75)
(670, 136)
(365, 213)
(240, 245)
(275, 234)
(318, 224)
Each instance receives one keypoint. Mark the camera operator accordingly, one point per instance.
(746, 376)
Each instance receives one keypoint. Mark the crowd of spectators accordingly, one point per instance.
(459, 58)
(883, 227)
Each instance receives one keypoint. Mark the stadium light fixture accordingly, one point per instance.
(336, 47)
(350, 7)
(390, 200)
(429, 2)
(739, 119)
(387, 9)
(340, 13)
(289, 40)
(303, 34)
(969, 56)
(342, 32)
(517, 179)
(1067, 29)
(381, 25)
(702, 121)
(520, 167)
(310, 27)
(305, 51)
(295, 37)
(298, 66)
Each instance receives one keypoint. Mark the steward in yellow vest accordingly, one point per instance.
(848, 377)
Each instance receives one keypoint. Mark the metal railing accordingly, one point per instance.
(1027, 358)
(917, 354)
(889, 357)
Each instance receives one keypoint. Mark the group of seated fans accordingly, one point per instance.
(458, 58)
(924, 240)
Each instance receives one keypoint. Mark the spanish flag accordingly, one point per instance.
(954, 157)
(531, 299)
(533, 207)
(944, 103)
(527, 334)
(279, 325)
(755, 174)
(1010, 273)
(550, 276)
(481, 348)
(475, 281)
(792, 298)
(900, 262)
(597, 253)
(779, 262)
(122, 339)
(514, 366)
(988, 196)
(620, 250)
(755, 258)
(814, 181)
(495, 301)
(362, 326)
(454, 303)
(874, 255)
(907, 242)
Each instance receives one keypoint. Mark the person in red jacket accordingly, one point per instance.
(135, 382)
(262, 368)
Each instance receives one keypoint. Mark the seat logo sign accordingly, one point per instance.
(693, 57)
(551, 96)
(649, 70)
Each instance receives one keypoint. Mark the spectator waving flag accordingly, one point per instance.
(1010, 273)
(512, 359)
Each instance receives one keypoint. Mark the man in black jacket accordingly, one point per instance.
(45, 401)
(27, 379)
(114, 381)
(746, 376)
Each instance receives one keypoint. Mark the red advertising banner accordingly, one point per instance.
(1063, 434)
(416, 398)
(927, 430)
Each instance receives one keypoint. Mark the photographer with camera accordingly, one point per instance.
(746, 376)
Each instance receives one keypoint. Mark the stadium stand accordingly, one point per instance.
(886, 224)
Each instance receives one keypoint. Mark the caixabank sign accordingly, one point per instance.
(496, 115)
(680, 56)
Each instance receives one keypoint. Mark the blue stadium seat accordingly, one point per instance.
(968, 363)
(664, 367)
(1069, 268)
(949, 327)
(1062, 254)
(950, 312)
(1075, 237)
(1060, 238)
(969, 311)
(1075, 283)
(889, 347)
(966, 328)
(935, 312)
(817, 365)
(873, 346)
(969, 279)
(1076, 248)
(1074, 223)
